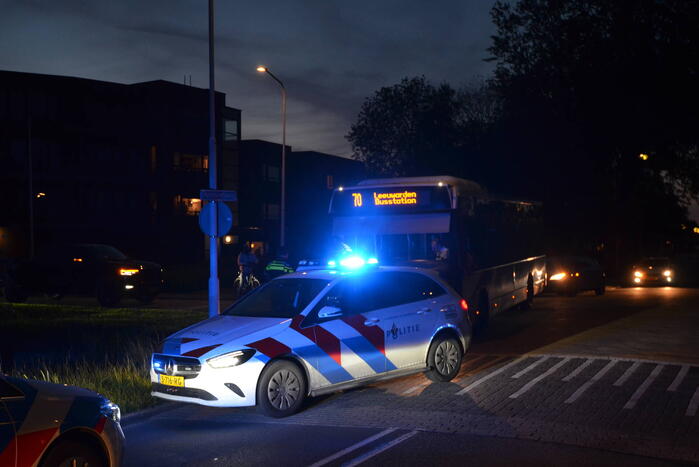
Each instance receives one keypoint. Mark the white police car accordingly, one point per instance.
(48, 424)
(313, 332)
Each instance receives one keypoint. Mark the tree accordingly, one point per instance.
(406, 129)
(587, 86)
(415, 128)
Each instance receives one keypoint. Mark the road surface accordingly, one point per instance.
(610, 380)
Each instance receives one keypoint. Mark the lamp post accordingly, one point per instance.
(213, 238)
(264, 69)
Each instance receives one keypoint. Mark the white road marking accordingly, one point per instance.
(581, 390)
(355, 446)
(531, 383)
(531, 367)
(679, 378)
(579, 369)
(693, 404)
(627, 374)
(642, 388)
(488, 376)
(366, 456)
(413, 389)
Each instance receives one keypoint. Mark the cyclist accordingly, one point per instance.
(246, 263)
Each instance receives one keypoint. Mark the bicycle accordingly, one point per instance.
(244, 283)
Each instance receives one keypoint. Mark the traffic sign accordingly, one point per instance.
(225, 219)
(218, 195)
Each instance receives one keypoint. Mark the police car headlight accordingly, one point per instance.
(110, 410)
(231, 358)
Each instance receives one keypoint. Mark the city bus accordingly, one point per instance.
(488, 248)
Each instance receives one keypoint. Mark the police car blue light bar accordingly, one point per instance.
(353, 262)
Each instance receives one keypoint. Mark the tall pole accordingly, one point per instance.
(213, 238)
(282, 216)
(264, 69)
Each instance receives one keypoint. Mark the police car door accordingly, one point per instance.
(344, 320)
(8, 445)
(410, 316)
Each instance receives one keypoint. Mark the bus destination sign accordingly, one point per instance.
(407, 199)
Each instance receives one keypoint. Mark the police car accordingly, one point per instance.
(313, 332)
(48, 424)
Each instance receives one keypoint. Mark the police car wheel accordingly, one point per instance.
(444, 359)
(281, 390)
(70, 452)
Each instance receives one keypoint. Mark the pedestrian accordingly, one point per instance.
(279, 265)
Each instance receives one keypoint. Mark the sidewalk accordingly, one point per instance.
(668, 334)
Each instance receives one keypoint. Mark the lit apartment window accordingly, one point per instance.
(190, 162)
(189, 206)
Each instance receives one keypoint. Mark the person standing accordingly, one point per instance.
(279, 265)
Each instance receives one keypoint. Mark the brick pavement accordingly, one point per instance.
(657, 426)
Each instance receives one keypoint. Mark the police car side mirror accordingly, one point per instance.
(329, 312)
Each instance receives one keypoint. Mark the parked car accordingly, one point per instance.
(91, 269)
(48, 424)
(653, 271)
(572, 274)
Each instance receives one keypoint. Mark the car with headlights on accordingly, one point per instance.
(313, 332)
(87, 269)
(47, 425)
(569, 275)
(653, 271)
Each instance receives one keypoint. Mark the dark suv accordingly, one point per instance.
(91, 269)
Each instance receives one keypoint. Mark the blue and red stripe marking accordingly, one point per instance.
(326, 355)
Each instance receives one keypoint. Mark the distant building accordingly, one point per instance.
(111, 163)
(311, 178)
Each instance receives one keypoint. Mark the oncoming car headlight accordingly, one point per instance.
(558, 277)
(110, 410)
(667, 273)
(638, 274)
(231, 358)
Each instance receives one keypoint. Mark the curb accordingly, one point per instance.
(144, 414)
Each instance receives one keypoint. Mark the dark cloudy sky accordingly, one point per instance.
(330, 54)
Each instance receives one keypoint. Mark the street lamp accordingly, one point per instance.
(264, 69)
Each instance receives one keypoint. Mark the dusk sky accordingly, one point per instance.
(331, 55)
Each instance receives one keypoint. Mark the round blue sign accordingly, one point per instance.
(225, 218)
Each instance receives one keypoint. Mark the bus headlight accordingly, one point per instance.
(558, 277)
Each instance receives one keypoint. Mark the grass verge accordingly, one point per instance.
(105, 350)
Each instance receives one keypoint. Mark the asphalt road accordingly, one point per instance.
(611, 380)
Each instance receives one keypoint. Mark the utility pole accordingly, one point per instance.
(214, 302)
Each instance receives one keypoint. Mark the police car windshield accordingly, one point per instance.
(280, 298)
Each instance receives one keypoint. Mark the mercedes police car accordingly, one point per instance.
(313, 332)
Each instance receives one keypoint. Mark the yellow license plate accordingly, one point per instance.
(172, 380)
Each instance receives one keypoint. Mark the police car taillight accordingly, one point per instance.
(463, 304)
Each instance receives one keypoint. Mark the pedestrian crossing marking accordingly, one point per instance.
(679, 378)
(581, 390)
(627, 374)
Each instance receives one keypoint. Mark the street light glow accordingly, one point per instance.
(261, 69)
